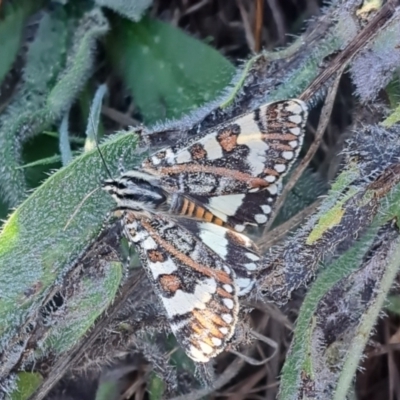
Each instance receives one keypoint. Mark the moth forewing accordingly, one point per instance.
(239, 158)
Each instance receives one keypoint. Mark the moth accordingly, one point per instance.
(185, 208)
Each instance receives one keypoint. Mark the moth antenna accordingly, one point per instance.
(79, 207)
(92, 136)
(95, 138)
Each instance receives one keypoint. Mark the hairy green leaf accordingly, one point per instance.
(168, 72)
(47, 92)
(11, 28)
(51, 228)
(299, 358)
(27, 383)
(127, 8)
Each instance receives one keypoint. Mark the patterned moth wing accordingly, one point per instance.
(235, 170)
(235, 249)
(196, 287)
(235, 210)
(198, 269)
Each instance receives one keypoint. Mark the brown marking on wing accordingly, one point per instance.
(208, 217)
(218, 221)
(197, 152)
(236, 239)
(192, 206)
(169, 283)
(129, 217)
(278, 136)
(218, 307)
(281, 160)
(195, 327)
(207, 340)
(185, 206)
(160, 155)
(272, 113)
(211, 315)
(253, 182)
(204, 320)
(224, 293)
(191, 209)
(200, 211)
(269, 171)
(220, 276)
(227, 139)
(280, 146)
(155, 256)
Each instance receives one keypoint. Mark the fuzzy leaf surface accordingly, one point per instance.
(168, 72)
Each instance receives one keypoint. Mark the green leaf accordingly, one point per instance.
(393, 118)
(127, 8)
(47, 92)
(393, 304)
(168, 72)
(64, 143)
(44, 161)
(94, 118)
(107, 391)
(72, 139)
(80, 313)
(27, 383)
(156, 387)
(51, 228)
(11, 28)
(299, 358)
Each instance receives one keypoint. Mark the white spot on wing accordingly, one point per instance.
(295, 131)
(211, 146)
(260, 218)
(273, 189)
(296, 106)
(266, 208)
(251, 136)
(160, 268)
(213, 236)
(226, 269)
(287, 155)
(228, 288)
(244, 285)
(297, 119)
(149, 243)
(197, 355)
(183, 157)
(206, 348)
(239, 228)
(280, 168)
(182, 302)
(227, 204)
(227, 318)
(250, 266)
(252, 256)
(169, 156)
(229, 303)
(155, 160)
(217, 342)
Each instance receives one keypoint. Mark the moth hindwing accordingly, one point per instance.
(198, 269)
